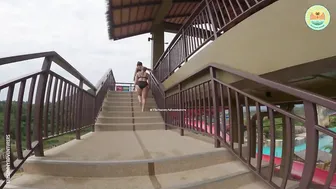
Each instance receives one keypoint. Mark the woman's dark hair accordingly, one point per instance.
(139, 63)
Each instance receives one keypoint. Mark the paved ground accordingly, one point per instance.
(129, 145)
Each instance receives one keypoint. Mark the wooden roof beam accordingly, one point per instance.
(162, 13)
(186, 1)
(133, 23)
(177, 16)
(134, 5)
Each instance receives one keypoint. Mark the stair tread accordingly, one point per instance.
(170, 180)
(127, 145)
(254, 185)
(130, 117)
(150, 123)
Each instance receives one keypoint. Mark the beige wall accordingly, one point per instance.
(272, 39)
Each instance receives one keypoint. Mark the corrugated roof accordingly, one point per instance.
(128, 18)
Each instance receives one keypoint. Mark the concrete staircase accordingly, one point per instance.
(131, 150)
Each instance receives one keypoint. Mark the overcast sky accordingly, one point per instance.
(76, 29)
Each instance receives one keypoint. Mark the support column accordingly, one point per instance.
(157, 43)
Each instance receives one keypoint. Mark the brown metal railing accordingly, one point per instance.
(208, 103)
(208, 21)
(158, 93)
(55, 106)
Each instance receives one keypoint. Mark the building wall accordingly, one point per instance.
(272, 39)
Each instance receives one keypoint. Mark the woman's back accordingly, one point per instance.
(142, 76)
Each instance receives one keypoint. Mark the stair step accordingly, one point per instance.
(129, 126)
(128, 108)
(124, 153)
(127, 101)
(129, 119)
(135, 99)
(129, 113)
(128, 104)
(229, 175)
(125, 94)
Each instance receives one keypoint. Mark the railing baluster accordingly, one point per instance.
(216, 22)
(182, 114)
(239, 123)
(67, 107)
(185, 50)
(192, 39)
(289, 152)
(230, 116)
(53, 110)
(240, 7)
(195, 35)
(215, 104)
(312, 144)
(75, 110)
(196, 108)
(58, 114)
(192, 107)
(260, 137)
(272, 145)
(39, 103)
(212, 22)
(63, 110)
(199, 113)
(248, 126)
(46, 110)
(19, 120)
(93, 112)
(227, 11)
(332, 167)
(7, 120)
(223, 125)
(205, 25)
(199, 23)
(248, 4)
(221, 12)
(72, 107)
(79, 109)
(29, 112)
(188, 108)
(209, 129)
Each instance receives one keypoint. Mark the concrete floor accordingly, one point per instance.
(128, 145)
(171, 180)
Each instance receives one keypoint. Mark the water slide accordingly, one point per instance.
(320, 175)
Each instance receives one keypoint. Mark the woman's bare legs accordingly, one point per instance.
(139, 92)
(144, 97)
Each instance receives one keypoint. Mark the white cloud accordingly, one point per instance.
(77, 30)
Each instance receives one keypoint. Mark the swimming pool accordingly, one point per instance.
(323, 141)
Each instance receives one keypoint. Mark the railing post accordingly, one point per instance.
(79, 110)
(215, 107)
(39, 105)
(211, 18)
(181, 114)
(312, 144)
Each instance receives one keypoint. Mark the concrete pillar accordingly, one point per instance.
(157, 43)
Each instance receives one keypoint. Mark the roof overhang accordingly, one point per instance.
(128, 18)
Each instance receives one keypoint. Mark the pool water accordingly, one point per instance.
(323, 141)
